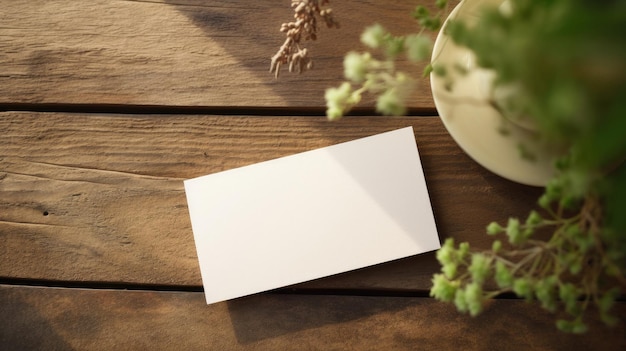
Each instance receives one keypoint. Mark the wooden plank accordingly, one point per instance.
(100, 197)
(176, 52)
(72, 319)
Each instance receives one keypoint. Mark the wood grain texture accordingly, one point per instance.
(72, 319)
(176, 52)
(101, 198)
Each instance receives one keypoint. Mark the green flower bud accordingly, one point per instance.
(431, 23)
(514, 231)
(494, 228)
(546, 293)
(390, 103)
(568, 293)
(420, 12)
(534, 218)
(496, 246)
(394, 46)
(339, 100)
(441, 3)
(459, 301)
(418, 47)
(607, 300)
(355, 66)
(573, 261)
(464, 249)
(474, 298)
(585, 242)
(527, 232)
(338, 96)
(479, 267)
(449, 270)
(334, 113)
(503, 276)
(374, 36)
(544, 201)
(523, 288)
(576, 326)
(554, 189)
(443, 289)
(445, 254)
(579, 327)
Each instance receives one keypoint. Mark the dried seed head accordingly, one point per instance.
(305, 26)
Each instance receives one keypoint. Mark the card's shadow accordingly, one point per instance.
(24, 328)
(266, 316)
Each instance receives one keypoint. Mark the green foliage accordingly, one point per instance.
(566, 60)
(379, 76)
(565, 273)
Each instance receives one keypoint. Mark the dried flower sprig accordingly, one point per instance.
(292, 53)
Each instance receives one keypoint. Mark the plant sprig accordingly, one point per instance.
(565, 61)
(567, 272)
(367, 74)
(305, 27)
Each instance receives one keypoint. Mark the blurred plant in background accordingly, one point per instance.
(565, 63)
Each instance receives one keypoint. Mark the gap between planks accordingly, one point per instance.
(194, 110)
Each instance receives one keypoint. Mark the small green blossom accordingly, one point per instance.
(607, 300)
(575, 327)
(355, 66)
(441, 3)
(374, 36)
(474, 298)
(545, 290)
(494, 228)
(568, 293)
(573, 261)
(418, 47)
(340, 99)
(334, 113)
(338, 96)
(479, 267)
(446, 253)
(420, 12)
(605, 303)
(496, 246)
(390, 103)
(450, 270)
(443, 289)
(464, 249)
(514, 231)
(534, 218)
(503, 275)
(460, 301)
(394, 46)
(523, 288)
(544, 201)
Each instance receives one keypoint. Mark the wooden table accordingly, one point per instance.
(107, 106)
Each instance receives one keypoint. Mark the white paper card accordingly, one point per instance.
(310, 215)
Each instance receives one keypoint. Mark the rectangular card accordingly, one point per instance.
(310, 215)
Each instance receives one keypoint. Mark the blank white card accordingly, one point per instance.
(310, 215)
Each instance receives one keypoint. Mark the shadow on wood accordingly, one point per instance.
(26, 328)
(249, 31)
(267, 316)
